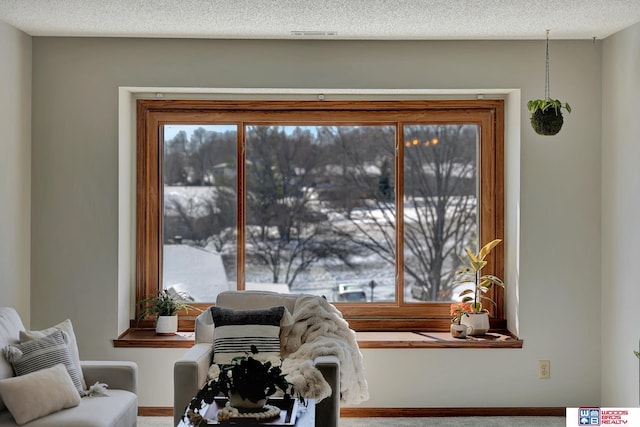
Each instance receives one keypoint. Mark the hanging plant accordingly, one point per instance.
(546, 114)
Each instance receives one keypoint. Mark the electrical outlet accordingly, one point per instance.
(544, 369)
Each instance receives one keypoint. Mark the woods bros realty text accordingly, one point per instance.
(603, 416)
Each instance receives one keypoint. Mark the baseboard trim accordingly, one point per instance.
(155, 411)
(452, 412)
(167, 411)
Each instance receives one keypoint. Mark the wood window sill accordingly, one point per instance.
(147, 338)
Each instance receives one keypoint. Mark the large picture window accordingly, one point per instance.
(369, 204)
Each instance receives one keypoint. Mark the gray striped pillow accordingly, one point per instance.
(237, 330)
(41, 353)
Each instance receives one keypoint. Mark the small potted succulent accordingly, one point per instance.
(546, 115)
(165, 307)
(458, 311)
(477, 317)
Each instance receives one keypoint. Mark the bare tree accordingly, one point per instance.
(175, 158)
(202, 216)
(440, 203)
(440, 191)
(201, 206)
(284, 230)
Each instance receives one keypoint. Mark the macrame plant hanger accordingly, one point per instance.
(546, 117)
(547, 88)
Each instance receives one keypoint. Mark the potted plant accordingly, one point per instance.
(247, 382)
(165, 307)
(458, 310)
(477, 317)
(546, 115)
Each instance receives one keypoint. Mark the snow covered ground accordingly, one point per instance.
(202, 273)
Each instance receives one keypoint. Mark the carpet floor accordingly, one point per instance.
(414, 422)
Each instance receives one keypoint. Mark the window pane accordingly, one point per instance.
(320, 214)
(440, 207)
(199, 212)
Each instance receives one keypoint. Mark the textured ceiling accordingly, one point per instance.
(327, 19)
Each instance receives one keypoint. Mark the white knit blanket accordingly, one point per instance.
(318, 329)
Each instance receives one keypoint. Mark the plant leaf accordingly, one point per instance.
(478, 265)
(477, 307)
(487, 299)
(493, 279)
(464, 271)
(487, 248)
(472, 256)
(465, 279)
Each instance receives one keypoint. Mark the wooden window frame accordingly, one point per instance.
(382, 316)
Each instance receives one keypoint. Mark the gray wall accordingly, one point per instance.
(553, 233)
(15, 169)
(620, 213)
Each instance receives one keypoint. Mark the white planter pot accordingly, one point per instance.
(237, 401)
(167, 325)
(478, 323)
(458, 331)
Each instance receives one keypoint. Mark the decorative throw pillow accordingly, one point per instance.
(39, 393)
(237, 330)
(66, 327)
(42, 353)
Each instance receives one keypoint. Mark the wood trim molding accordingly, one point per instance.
(392, 315)
(146, 338)
(452, 412)
(155, 411)
(165, 411)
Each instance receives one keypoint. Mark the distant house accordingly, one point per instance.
(224, 170)
(194, 271)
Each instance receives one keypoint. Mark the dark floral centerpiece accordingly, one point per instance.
(244, 379)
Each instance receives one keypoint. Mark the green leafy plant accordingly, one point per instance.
(545, 104)
(546, 115)
(471, 273)
(637, 353)
(164, 304)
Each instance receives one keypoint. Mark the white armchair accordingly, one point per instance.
(190, 371)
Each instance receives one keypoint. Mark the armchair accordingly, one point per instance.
(190, 371)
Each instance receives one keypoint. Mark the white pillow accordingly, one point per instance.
(39, 393)
(67, 328)
(41, 353)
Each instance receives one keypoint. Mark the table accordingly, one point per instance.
(304, 417)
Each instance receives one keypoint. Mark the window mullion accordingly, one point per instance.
(399, 174)
(241, 213)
